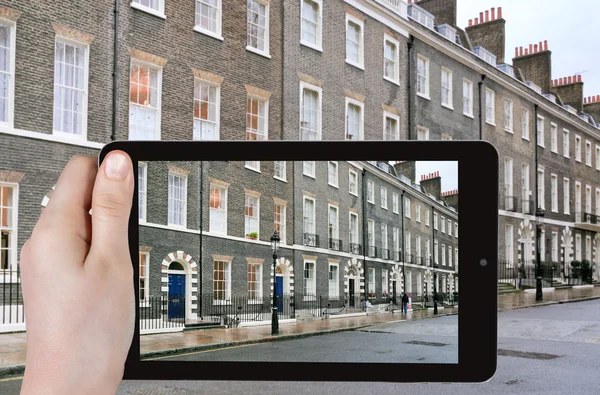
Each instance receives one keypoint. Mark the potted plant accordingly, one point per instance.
(252, 236)
(371, 295)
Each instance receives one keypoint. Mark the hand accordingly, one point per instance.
(78, 281)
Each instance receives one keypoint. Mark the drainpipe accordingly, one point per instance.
(113, 135)
(365, 226)
(200, 265)
(403, 237)
(410, 84)
(481, 107)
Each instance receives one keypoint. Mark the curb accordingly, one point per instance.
(554, 302)
(12, 370)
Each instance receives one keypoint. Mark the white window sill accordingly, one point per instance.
(393, 81)
(208, 33)
(357, 65)
(554, 152)
(541, 145)
(308, 175)
(385, 208)
(448, 106)
(525, 138)
(311, 45)
(149, 10)
(332, 185)
(396, 212)
(509, 131)
(217, 232)
(578, 161)
(370, 202)
(254, 170)
(424, 96)
(469, 115)
(353, 194)
(70, 136)
(588, 165)
(280, 179)
(258, 52)
(493, 123)
(176, 227)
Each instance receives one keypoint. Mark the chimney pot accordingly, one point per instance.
(470, 22)
(493, 13)
(569, 80)
(499, 12)
(535, 48)
(487, 16)
(598, 98)
(531, 48)
(521, 51)
(585, 100)
(476, 21)
(541, 46)
(560, 81)
(516, 52)
(579, 78)
(545, 45)
(481, 17)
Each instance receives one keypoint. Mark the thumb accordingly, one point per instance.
(111, 208)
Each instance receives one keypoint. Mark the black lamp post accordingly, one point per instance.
(539, 222)
(435, 309)
(275, 248)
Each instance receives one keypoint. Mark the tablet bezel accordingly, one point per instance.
(478, 207)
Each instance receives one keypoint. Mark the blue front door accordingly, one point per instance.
(176, 296)
(279, 292)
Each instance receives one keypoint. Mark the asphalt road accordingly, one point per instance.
(543, 350)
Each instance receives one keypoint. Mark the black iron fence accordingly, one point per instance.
(510, 203)
(162, 312)
(355, 249)
(372, 251)
(527, 206)
(311, 240)
(524, 275)
(335, 244)
(11, 297)
(385, 253)
(588, 218)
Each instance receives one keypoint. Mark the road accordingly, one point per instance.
(542, 350)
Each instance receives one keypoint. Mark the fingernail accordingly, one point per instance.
(116, 166)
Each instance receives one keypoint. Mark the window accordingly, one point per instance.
(540, 131)
(208, 17)
(206, 110)
(391, 59)
(418, 212)
(370, 191)
(257, 119)
(384, 282)
(334, 281)
(577, 201)
(423, 76)
(177, 199)
(8, 226)
(371, 235)
(436, 252)
(391, 124)
(449, 255)
(553, 137)
(279, 170)
(541, 195)
(310, 112)
(407, 207)
(554, 190)
(222, 281)
(308, 168)
(419, 284)
(144, 102)
(218, 209)
(597, 201)
(422, 133)
(427, 218)
(525, 124)
(7, 72)
(384, 240)
(588, 199)
(443, 224)
(279, 220)
(588, 153)
(566, 196)
(490, 107)
(418, 248)
(251, 215)
(443, 255)
(353, 182)
(70, 88)
(333, 225)
(144, 260)
(353, 228)
(354, 119)
(354, 41)
(309, 283)
(577, 148)
(456, 262)
(258, 26)
(508, 184)
(384, 198)
(449, 227)
(371, 282)
(566, 144)
(408, 286)
(578, 247)
(396, 242)
(428, 252)
(525, 190)
(253, 165)
(312, 19)
(446, 88)
(407, 243)
(395, 202)
(332, 173)
(156, 7)
(598, 157)
(554, 247)
(456, 230)
(467, 98)
(142, 190)
(254, 281)
(508, 116)
(309, 215)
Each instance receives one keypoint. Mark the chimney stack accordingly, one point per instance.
(592, 107)
(451, 198)
(536, 65)
(407, 169)
(570, 90)
(432, 183)
(489, 33)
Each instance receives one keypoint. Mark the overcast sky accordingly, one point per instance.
(448, 173)
(571, 29)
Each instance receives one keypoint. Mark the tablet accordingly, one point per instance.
(314, 261)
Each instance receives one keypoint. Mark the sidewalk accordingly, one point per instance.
(13, 347)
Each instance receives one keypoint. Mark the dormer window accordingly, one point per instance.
(534, 87)
(486, 55)
(507, 69)
(447, 31)
(420, 15)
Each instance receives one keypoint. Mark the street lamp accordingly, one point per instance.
(539, 222)
(275, 249)
(435, 309)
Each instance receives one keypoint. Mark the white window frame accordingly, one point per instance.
(490, 107)
(351, 190)
(159, 70)
(554, 192)
(335, 225)
(160, 12)
(319, 91)
(266, 51)
(143, 192)
(598, 205)
(442, 224)
(468, 95)
(284, 170)
(12, 25)
(314, 219)
(371, 281)
(418, 212)
(588, 199)
(567, 196)
(84, 115)
(185, 192)
(246, 217)
(384, 238)
(525, 132)
(370, 234)
(456, 229)
(370, 195)
(335, 282)
(588, 153)
(219, 22)
(554, 137)
(407, 243)
(258, 282)
(313, 280)
(361, 126)
(385, 282)
(509, 117)
(265, 133)
(14, 229)
(396, 77)
(314, 170)
(224, 196)
(282, 222)
(395, 203)
(424, 131)
(146, 286)
(541, 132)
(541, 187)
(554, 246)
(598, 158)
(396, 131)
(578, 254)
(253, 165)
(217, 122)
(424, 93)
(355, 239)
(566, 143)
(449, 104)
(427, 218)
(443, 253)
(227, 280)
(361, 46)
(578, 153)
(335, 182)
(406, 207)
(383, 197)
(318, 46)
(418, 247)
(435, 221)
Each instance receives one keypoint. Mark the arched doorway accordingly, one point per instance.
(397, 284)
(283, 283)
(177, 291)
(179, 282)
(526, 243)
(354, 282)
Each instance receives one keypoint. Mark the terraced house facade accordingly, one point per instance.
(343, 69)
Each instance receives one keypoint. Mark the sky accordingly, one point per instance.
(570, 28)
(448, 173)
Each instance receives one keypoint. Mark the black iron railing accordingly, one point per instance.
(523, 275)
(162, 312)
(355, 249)
(588, 218)
(418, 260)
(397, 256)
(335, 244)
(11, 297)
(385, 253)
(527, 206)
(510, 203)
(372, 251)
(311, 240)
(410, 258)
